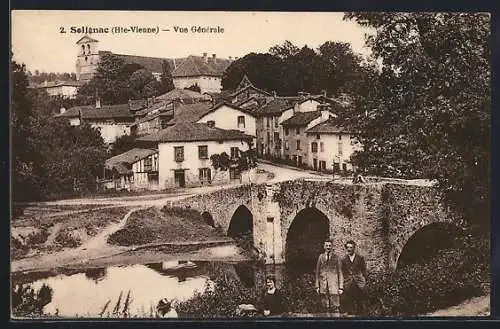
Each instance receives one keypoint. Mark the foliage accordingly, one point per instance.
(116, 82)
(220, 161)
(123, 144)
(166, 81)
(49, 156)
(194, 87)
(288, 69)
(432, 97)
(28, 302)
(39, 77)
(245, 160)
(444, 280)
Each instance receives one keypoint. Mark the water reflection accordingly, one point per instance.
(85, 292)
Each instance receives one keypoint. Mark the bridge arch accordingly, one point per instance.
(426, 241)
(241, 223)
(305, 236)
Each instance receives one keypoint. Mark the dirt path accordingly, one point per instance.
(477, 306)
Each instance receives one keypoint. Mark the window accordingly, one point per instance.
(235, 152)
(318, 136)
(340, 137)
(344, 167)
(88, 48)
(211, 123)
(286, 131)
(276, 136)
(314, 147)
(268, 136)
(179, 153)
(148, 164)
(203, 151)
(205, 175)
(276, 119)
(267, 122)
(298, 145)
(234, 173)
(241, 121)
(83, 49)
(321, 147)
(340, 148)
(286, 145)
(297, 131)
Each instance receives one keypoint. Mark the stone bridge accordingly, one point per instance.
(291, 219)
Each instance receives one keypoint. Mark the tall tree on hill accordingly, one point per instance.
(144, 84)
(429, 113)
(167, 82)
(285, 50)
(264, 70)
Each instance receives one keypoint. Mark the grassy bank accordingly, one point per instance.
(42, 233)
(168, 225)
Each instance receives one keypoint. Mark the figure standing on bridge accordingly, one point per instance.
(329, 279)
(355, 277)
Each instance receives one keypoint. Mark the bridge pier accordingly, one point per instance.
(271, 241)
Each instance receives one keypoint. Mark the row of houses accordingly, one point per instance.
(177, 133)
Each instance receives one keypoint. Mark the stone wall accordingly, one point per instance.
(380, 217)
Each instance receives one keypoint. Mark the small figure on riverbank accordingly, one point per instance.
(273, 300)
(165, 309)
(358, 178)
(329, 279)
(355, 277)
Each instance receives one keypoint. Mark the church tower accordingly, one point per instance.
(87, 58)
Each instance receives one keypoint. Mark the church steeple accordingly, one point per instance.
(87, 57)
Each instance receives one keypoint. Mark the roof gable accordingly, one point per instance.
(301, 118)
(86, 39)
(231, 106)
(200, 66)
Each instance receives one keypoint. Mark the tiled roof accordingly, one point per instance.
(276, 106)
(105, 112)
(122, 162)
(137, 104)
(197, 65)
(190, 112)
(152, 64)
(301, 118)
(250, 87)
(233, 106)
(153, 116)
(327, 127)
(189, 132)
(183, 94)
(86, 38)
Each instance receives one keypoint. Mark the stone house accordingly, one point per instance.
(330, 147)
(65, 89)
(185, 149)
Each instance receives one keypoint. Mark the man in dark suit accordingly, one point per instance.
(355, 277)
(329, 280)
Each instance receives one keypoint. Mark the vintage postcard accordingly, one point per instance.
(191, 165)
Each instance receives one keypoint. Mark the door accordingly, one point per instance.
(315, 164)
(300, 160)
(180, 178)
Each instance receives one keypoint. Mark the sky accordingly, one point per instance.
(37, 40)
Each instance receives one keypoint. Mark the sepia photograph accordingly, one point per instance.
(237, 164)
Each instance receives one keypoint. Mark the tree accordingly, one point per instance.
(429, 112)
(123, 144)
(166, 81)
(48, 154)
(285, 50)
(144, 84)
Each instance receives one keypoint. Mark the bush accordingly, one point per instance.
(442, 281)
(28, 302)
(66, 239)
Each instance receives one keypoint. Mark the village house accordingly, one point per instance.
(202, 71)
(229, 116)
(113, 121)
(185, 149)
(65, 89)
(135, 169)
(331, 147)
(246, 90)
(295, 139)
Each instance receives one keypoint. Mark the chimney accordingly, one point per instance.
(324, 93)
(274, 93)
(62, 110)
(205, 57)
(175, 66)
(98, 102)
(211, 124)
(45, 83)
(230, 58)
(214, 57)
(236, 58)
